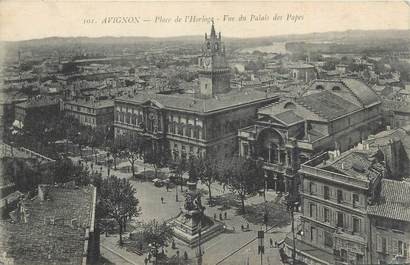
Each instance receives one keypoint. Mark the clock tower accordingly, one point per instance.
(214, 74)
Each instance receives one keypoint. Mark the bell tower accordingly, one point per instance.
(214, 74)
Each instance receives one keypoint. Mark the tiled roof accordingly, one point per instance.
(327, 104)
(288, 117)
(188, 103)
(364, 93)
(355, 164)
(39, 242)
(394, 201)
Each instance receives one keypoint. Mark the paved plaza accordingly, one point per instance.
(231, 247)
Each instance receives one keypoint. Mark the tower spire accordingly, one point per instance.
(213, 34)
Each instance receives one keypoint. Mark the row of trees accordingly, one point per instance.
(149, 151)
(241, 175)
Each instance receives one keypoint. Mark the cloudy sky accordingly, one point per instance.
(37, 19)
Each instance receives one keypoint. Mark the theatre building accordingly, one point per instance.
(330, 115)
(192, 125)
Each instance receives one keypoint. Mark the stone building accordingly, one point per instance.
(390, 224)
(335, 114)
(57, 226)
(302, 72)
(93, 113)
(34, 109)
(192, 124)
(337, 189)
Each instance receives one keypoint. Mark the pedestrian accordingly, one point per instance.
(185, 256)
(242, 227)
(140, 246)
(215, 216)
(149, 256)
(173, 244)
(225, 215)
(276, 244)
(145, 261)
(220, 216)
(162, 200)
(167, 186)
(271, 242)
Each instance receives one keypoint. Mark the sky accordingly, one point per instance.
(38, 19)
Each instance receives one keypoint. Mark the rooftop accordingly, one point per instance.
(92, 103)
(186, 102)
(358, 164)
(327, 104)
(38, 101)
(40, 241)
(394, 202)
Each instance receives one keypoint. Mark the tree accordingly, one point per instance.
(156, 234)
(155, 155)
(241, 176)
(117, 200)
(207, 171)
(133, 152)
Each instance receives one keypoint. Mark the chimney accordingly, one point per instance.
(43, 191)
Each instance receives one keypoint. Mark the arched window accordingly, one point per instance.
(290, 105)
(336, 88)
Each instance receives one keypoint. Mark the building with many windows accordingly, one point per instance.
(93, 113)
(336, 193)
(193, 125)
(390, 224)
(331, 114)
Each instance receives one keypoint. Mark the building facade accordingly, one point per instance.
(93, 113)
(329, 115)
(390, 224)
(192, 125)
(336, 191)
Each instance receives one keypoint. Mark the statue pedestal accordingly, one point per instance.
(192, 225)
(186, 227)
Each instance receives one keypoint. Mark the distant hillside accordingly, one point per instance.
(335, 36)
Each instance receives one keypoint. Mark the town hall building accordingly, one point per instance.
(186, 125)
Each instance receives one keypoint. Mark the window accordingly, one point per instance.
(196, 132)
(400, 247)
(355, 200)
(397, 226)
(343, 255)
(356, 225)
(245, 150)
(339, 219)
(384, 245)
(326, 193)
(180, 129)
(328, 239)
(312, 233)
(188, 130)
(359, 259)
(312, 210)
(326, 215)
(339, 196)
(312, 188)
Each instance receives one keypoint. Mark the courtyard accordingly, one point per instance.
(234, 246)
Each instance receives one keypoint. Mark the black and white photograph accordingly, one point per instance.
(204, 132)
